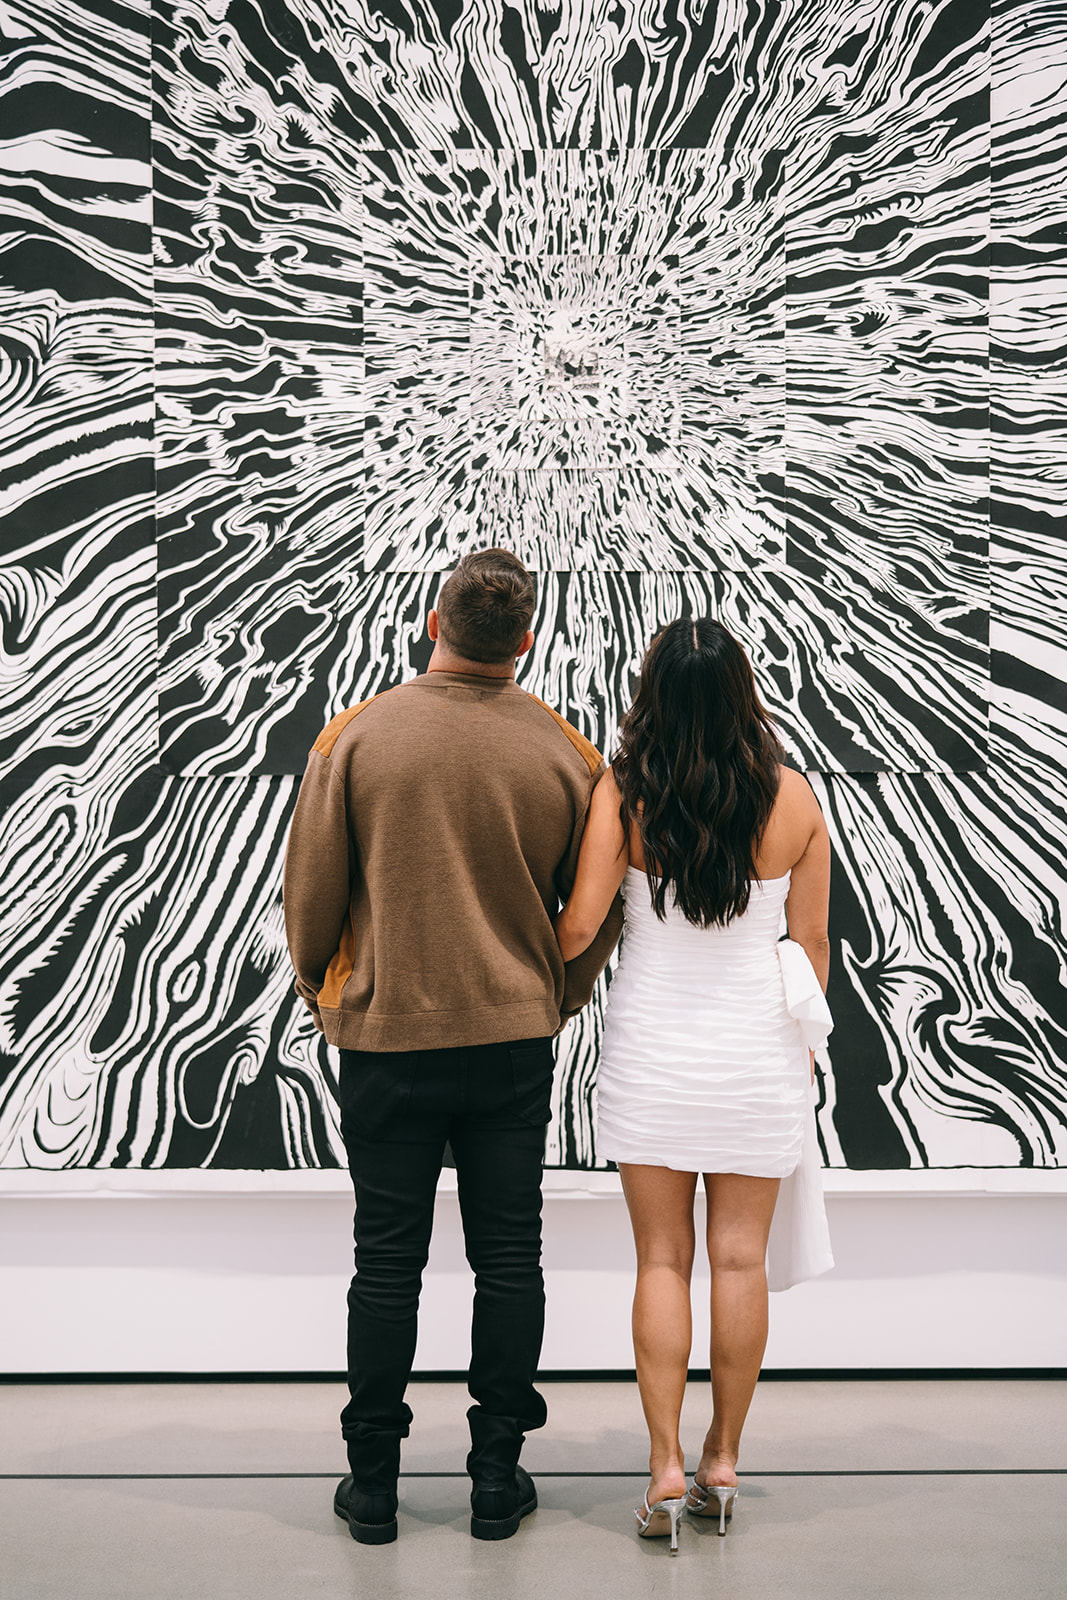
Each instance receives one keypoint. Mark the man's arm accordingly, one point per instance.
(318, 878)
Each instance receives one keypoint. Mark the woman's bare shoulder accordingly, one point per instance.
(795, 819)
(797, 805)
(795, 791)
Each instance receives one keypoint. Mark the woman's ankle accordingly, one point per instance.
(669, 1487)
(666, 1477)
(717, 1466)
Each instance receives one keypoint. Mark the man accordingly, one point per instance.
(436, 829)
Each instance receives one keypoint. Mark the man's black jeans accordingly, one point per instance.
(491, 1103)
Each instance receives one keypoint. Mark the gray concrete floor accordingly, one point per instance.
(223, 1492)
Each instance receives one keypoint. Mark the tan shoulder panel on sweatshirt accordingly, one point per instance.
(589, 752)
(333, 730)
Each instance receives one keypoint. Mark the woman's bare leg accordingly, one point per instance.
(661, 1214)
(739, 1220)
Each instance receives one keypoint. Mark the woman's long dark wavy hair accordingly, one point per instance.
(697, 767)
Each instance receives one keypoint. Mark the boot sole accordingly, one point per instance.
(485, 1528)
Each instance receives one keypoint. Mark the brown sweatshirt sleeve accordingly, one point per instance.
(317, 885)
(581, 974)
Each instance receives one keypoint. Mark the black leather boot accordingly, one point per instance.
(371, 1517)
(367, 1497)
(498, 1508)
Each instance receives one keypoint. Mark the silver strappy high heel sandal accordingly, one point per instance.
(661, 1519)
(698, 1501)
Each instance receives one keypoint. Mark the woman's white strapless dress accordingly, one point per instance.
(704, 1063)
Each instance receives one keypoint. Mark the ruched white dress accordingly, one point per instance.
(704, 1064)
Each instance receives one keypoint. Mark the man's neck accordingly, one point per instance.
(445, 661)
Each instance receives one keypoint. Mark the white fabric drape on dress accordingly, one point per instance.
(799, 1243)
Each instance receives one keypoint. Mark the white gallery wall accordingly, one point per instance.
(256, 1281)
(747, 307)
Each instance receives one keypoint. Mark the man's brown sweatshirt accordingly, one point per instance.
(436, 830)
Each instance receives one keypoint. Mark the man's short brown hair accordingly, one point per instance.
(486, 606)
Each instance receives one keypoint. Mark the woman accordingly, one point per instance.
(705, 1065)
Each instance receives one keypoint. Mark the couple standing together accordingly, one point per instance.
(438, 828)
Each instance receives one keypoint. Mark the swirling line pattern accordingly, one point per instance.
(757, 309)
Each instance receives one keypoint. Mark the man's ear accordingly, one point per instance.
(432, 626)
(527, 641)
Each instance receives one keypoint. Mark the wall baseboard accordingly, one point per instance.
(571, 1375)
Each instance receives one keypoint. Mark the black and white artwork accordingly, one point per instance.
(756, 310)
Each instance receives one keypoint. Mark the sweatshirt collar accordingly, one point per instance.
(465, 680)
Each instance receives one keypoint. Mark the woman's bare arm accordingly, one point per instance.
(807, 907)
(601, 864)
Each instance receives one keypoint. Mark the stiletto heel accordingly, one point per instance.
(698, 1501)
(660, 1519)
